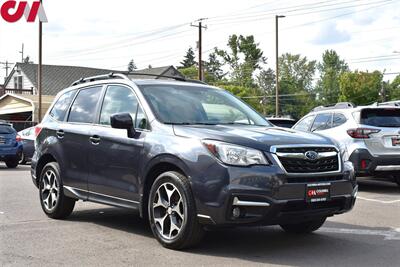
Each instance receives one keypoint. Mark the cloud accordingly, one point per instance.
(329, 34)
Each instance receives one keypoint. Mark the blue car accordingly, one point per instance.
(10, 145)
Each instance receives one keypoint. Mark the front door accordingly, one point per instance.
(113, 157)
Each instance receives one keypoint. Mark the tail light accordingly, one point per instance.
(18, 138)
(362, 133)
(38, 129)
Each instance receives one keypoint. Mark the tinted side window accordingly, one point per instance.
(338, 119)
(304, 124)
(118, 99)
(60, 107)
(84, 107)
(322, 122)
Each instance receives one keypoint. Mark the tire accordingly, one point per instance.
(12, 163)
(304, 227)
(52, 199)
(397, 180)
(172, 215)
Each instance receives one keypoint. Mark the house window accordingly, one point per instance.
(18, 82)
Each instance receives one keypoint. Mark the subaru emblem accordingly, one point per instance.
(311, 155)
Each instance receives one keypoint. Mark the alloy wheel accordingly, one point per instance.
(168, 211)
(50, 190)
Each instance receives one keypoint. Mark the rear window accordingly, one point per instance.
(380, 117)
(6, 129)
(83, 110)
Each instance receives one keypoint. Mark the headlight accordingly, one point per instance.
(235, 155)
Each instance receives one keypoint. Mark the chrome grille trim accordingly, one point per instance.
(276, 154)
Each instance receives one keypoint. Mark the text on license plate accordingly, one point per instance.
(318, 192)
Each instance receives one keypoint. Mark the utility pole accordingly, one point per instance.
(39, 73)
(6, 64)
(22, 53)
(277, 17)
(200, 46)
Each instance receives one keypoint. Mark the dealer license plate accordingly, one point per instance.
(318, 192)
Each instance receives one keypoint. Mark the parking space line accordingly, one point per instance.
(1, 212)
(379, 201)
(393, 234)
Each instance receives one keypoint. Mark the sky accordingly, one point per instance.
(108, 34)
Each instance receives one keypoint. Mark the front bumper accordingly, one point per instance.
(267, 196)
(375, 165)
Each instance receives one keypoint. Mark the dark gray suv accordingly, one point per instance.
(185, 155)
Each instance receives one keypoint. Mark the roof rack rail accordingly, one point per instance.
(126, 75)
(340, 105)
(390, 103)
(111, 75)
(158, 76)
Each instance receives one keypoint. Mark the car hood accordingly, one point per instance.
(252, 136)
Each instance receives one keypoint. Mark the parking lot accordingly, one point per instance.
(103, 236)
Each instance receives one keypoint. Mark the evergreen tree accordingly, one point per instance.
(189, 59)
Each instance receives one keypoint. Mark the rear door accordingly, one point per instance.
(387, 120)
(75, 136)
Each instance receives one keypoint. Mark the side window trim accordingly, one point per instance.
(101, 103)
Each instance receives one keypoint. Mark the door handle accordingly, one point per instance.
(95, 139)
(60, 134)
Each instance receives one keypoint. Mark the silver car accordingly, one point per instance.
(369, 135)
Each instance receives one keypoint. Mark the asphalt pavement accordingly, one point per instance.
(96, 235)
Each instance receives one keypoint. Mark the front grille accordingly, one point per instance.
(300, 164)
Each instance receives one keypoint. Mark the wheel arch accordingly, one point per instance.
(157, 166)
(44, 159)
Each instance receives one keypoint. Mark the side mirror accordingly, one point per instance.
(123, 121)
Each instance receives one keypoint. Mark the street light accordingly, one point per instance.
(277, 17)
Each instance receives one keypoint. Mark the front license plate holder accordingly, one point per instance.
(318, 192)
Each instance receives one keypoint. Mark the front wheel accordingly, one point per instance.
(172, 212)
(304, 227)
(54, 203)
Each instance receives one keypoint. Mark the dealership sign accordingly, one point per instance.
(13, 11)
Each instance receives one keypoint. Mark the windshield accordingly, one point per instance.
(388, 117)
(6, 129)
(177, 104)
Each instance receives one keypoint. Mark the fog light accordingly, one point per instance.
(236, 212)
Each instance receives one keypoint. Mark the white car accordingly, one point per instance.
(370, 135)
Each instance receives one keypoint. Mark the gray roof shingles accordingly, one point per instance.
(57, 78)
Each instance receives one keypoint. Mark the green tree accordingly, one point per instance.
(394, 89)
(243, 58)
(330, 70)
(265, 81)
(132, 66)
(360, 87)
(213, 67)
(296, 85)
(189, 59)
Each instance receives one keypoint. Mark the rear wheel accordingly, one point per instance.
(304, 227)
(172, 212)
(54, 203)
(12, 163)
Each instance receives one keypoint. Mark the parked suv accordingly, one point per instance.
(10, 145)
(369, 134)
(185, 155)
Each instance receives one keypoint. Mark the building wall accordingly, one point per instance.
(25, 81)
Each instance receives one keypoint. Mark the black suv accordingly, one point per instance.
(185, 155)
